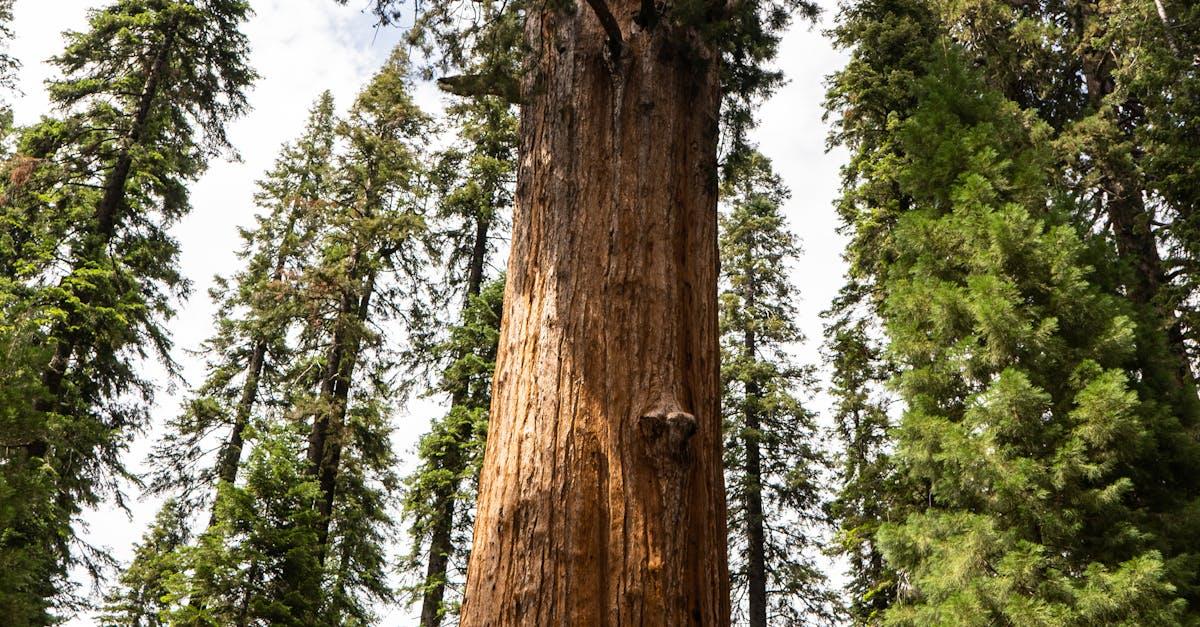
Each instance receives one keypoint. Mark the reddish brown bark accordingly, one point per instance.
(601, 498)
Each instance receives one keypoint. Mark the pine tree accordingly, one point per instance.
(259, 564)
(249, 355)
(1114, 82)
(867, 489)
(889, 50)
(379, 228)
(772, 459)
(479, 196)
(145, 94)
(249, 367)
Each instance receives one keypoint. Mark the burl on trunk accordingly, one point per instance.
(602, 500)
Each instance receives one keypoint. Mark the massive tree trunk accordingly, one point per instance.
(601, 497)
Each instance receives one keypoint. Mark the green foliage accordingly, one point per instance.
(249, 356)
(259, 564)
(440, 493)
(1021, 430)
(139, 599)
(90, 271)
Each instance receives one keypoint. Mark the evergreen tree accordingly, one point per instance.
(440, 495)
(867, 491)
(378, 229)
(772, 460)
(249, 355)
(139, 599)
(1114, 83)
(889, 50)
(1020, 426)
(249, 367)
(259, 564)
(620, 105)
(145, 94)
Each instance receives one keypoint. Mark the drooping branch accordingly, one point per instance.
(615, 40)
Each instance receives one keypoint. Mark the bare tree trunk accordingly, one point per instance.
(602, 496)
(756, 558)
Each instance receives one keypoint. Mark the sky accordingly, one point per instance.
(302, 47)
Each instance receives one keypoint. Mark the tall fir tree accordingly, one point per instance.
(379, 229)
(139, 599)
(440, 495)
(867, 491)
(1114, 83)
(249, 357)
(774, 464)
(889, 49)
(478, 177)
(145, 95)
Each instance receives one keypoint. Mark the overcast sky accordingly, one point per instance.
(302, 47)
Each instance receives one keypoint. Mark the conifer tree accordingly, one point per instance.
(138, 601)
(250, 353)
(772, 458)
(249, 367)
(1114, 82)
(437, 502)
(440, 496)
(259, 564)
(889, 50)
(867, 493)
(607, 387)
(1020, 429)
(378, 229)
(145, 94)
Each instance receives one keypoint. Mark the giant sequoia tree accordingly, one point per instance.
(145, 94)
(601, 495)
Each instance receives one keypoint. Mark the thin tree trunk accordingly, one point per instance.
(231, 452)
(328, 432)
(1130, 221)
(601, 496)
(756, 559)
(441, 541)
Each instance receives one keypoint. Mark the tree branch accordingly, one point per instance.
(475, 85)
(615, 40)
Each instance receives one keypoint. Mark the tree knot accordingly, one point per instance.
(668, 430)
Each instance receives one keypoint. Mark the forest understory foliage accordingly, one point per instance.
(628, 430)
